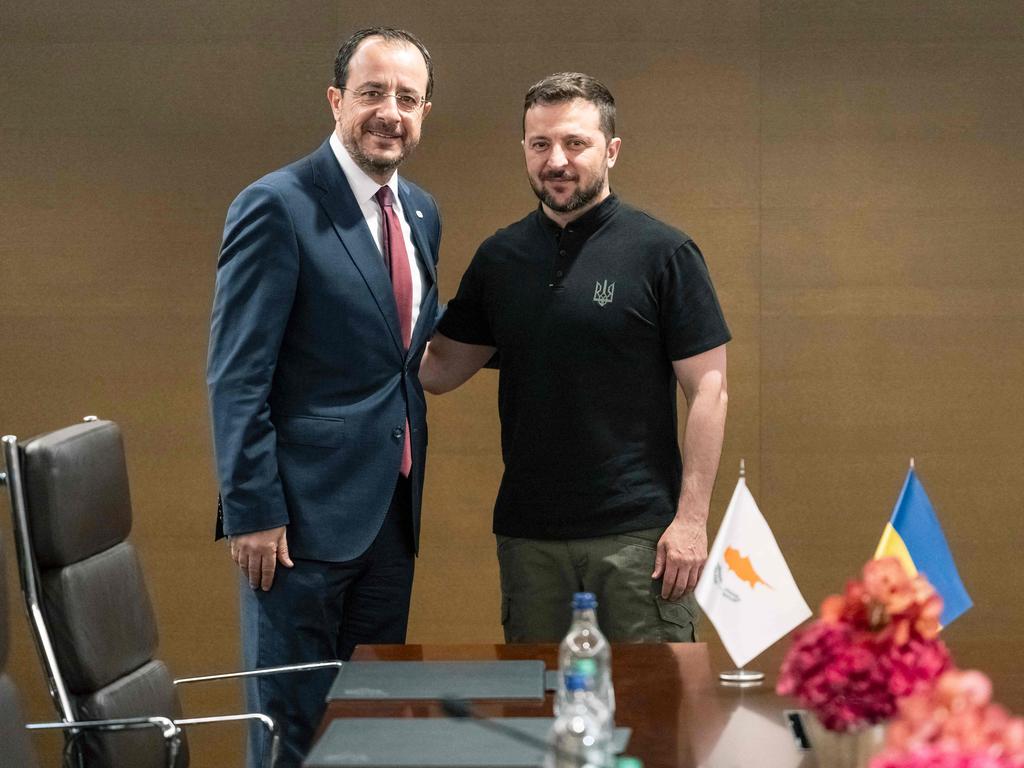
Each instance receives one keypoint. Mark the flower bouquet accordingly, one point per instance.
(954, 725)
(872, 646)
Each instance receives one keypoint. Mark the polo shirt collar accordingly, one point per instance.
(589, 222)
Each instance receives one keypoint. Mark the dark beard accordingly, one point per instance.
(578, 199)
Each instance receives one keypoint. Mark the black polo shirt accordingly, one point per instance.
(587, 321)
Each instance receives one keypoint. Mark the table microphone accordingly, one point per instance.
(460, 709)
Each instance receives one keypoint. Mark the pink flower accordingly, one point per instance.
(954, 724)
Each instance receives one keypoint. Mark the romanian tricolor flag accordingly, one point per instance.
(915, 537)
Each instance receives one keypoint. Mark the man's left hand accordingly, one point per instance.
(682, 552)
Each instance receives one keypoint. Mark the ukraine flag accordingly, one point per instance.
(915, 537)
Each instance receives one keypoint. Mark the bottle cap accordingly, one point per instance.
(582, 601)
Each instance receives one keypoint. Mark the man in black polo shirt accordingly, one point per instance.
(597, 310)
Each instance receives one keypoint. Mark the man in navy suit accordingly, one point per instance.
(326, 294)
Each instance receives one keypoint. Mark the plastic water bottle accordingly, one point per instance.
(586, 651)
(578, 739)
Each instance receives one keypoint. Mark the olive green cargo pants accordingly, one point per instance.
(539, 577)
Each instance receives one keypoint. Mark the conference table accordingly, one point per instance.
(670, 696)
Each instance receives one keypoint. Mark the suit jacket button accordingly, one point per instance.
(397, 433)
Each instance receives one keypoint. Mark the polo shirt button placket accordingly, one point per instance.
(555, 283)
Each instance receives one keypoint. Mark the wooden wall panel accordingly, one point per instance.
(851, 171)
(892, 295)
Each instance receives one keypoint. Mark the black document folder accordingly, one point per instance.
(439, 680)
(434, 743)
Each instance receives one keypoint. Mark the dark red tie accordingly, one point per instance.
(397, 259)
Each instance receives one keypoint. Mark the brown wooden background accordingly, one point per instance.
(853, 172)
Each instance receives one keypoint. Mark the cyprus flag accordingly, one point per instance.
(746, 588)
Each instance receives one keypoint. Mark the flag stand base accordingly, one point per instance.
(741, 677)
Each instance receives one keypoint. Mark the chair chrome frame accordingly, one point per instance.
(28, 573)
(170, 731)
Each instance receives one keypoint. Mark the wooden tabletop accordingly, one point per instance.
(670, 695)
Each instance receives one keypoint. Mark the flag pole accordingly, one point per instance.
(740, 677)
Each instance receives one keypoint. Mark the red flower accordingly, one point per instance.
(874, 645)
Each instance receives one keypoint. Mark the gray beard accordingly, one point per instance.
(374, 165)
(578, 199)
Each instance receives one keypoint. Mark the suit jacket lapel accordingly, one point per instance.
(426, 257)
(340, 204)
(414, 216)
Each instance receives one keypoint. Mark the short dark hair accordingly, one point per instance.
(348, 49)
(568, 86)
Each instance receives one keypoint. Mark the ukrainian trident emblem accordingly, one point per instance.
(603, 294)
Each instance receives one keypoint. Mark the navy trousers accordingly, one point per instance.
(318, 611)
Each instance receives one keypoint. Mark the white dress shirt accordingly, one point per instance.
(364, 188)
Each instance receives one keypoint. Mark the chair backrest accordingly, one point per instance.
(15, 750)
(92, 617)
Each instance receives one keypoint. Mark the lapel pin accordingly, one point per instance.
(419, 214)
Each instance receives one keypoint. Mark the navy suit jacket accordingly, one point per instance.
(309, 382)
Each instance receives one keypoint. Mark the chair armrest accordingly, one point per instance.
(168, 729)
(286, 669)
(266, 721)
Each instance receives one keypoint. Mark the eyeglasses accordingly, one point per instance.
(371, 97)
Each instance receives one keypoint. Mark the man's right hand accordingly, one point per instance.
(258, 554)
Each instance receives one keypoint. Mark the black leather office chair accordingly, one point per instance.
(15, 750)
(91, 615)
